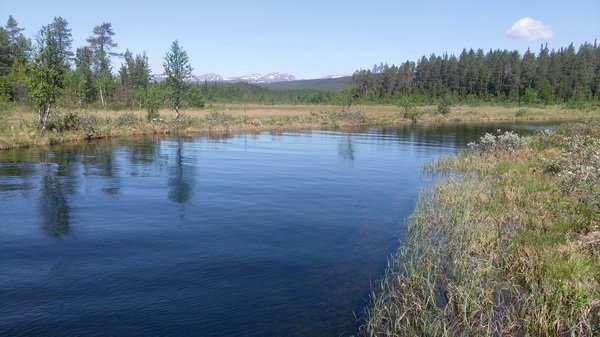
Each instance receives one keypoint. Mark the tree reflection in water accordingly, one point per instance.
(54, 207)
(181, 180)
(346, 149)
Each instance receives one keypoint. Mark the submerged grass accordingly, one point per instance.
(507, 245)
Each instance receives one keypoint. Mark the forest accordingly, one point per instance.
(85, 78)
(567, 75)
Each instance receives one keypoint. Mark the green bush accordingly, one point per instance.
(412, 114)
(128, 118)
(69, 121)
(444, 106)
(153, 102)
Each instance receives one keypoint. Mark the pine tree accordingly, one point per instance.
(528, 70)
(64, 41)
(101, 44)
(19, 46)
(4, 52)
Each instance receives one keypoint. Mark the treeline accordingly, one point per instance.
(84, 77)
(242, 92)
(549, 77)
(53, 73)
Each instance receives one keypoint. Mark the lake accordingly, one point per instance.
(246, 235)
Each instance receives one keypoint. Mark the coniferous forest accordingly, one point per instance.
(85, 76)
(551, 76)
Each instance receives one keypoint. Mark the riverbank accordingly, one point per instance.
(18, 123)
(508, 243)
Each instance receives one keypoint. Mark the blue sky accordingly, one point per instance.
(312, 39)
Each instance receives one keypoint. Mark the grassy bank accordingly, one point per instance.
(18, 123)
(507, 244)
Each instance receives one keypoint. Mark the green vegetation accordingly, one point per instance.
(46, 76)
(559, 76)
(177, 69)
(87, 80)
(507, 244)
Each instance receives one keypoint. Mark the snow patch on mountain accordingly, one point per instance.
(250, 78)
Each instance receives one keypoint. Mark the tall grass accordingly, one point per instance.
(504, 246)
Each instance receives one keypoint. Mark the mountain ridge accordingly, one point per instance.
(253, 78)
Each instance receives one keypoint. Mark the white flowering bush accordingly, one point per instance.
(578, 166)
(500, 143)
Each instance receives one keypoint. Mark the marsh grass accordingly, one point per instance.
(502, 246)
(18, 124)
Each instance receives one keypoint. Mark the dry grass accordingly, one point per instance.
(392, 113)
(17, 124)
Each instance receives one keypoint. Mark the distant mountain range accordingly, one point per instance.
(255, 78)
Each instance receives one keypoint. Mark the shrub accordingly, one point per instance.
(153, 101)
(64, 122)
(71, 121)
(128, 118)
(578, 166)
(89, 123)
(444, 106)
(216, 118)
(501, 143)
(412, 114)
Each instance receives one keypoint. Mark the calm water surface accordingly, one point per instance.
(248, 235)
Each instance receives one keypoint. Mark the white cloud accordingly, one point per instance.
(530, 29)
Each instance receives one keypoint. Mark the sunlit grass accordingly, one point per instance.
(501, 246)
(18, 122)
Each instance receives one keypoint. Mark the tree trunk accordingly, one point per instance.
(177, 113)
(101, 96)
(40, 117)
(45, 123)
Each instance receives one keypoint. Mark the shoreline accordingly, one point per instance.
(72, 126)
(507, 243)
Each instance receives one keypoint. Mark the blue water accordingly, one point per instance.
(246, 235)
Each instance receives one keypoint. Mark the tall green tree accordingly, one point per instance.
(135, 77)
(5, 59)
(125, 75)
(62, 35)
(19, 45)
(18, 77)
(177, 69)
(101, 43)
(5, 88)
(83, 77)
(45, 82)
